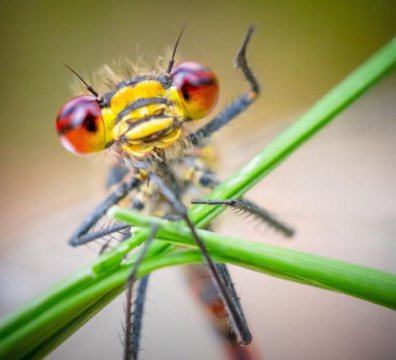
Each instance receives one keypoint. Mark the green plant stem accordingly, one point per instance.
(55, 339)
(355, 280)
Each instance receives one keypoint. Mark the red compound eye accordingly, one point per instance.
(197, 86)
(80, 125)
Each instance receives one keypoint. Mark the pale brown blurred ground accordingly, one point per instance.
(338, 190)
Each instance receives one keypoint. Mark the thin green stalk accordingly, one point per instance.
(63, 333)
(355, 280)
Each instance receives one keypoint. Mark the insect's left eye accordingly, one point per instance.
(197, 86)
(80, 125)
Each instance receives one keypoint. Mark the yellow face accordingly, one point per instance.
(144, 117)
(141, 115)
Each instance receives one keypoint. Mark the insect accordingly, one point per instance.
(146, 122)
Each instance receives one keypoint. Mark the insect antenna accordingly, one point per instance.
(87, 86)
(172, 59)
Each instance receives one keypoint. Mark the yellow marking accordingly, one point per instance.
(122, 98)
(120, 129)
(148, 128)
(169, 139)
(128, 94)
(109, 120)
(147, 110)
(173, 95)
(142, 174)
(140, 150)
(189, 173)
(208, 155)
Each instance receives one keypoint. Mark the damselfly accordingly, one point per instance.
(144, 120)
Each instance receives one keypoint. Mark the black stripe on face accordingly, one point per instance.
(142, 102)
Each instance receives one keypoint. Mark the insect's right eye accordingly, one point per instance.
(80, 125)
(197, 86)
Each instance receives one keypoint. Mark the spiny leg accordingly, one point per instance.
(235, 352)
(251, 208)
(108, 237)
(137, 322)
(206, 291)
(116, 173)
(98, 234)
(133, 320)
(239, 104)
(115, 176)
(204, 177)
(226, 277)
(230, 299)
(201, 281)
(81, 235)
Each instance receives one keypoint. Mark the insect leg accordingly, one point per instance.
(204, 288)
(116, 173)
(138, 312)
(237, 319)
(205, 178)
(133, 321)
(251, 208)
(239, 104)
(81, 235)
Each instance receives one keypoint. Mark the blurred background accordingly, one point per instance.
(338, 190)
